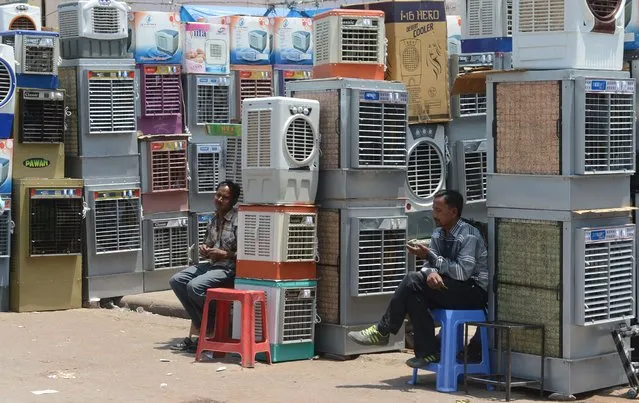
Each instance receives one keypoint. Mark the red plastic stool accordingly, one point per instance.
(221, 342)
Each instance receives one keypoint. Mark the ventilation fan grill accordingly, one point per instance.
(425, 171)
(300, 140)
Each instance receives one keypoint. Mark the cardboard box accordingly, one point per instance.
(292, 41)
(206, 48)
(417, 55)
(156, 38)
(251, 40)
(6, 166)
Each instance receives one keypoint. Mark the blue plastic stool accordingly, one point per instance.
(448, 370)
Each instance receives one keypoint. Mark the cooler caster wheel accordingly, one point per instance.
(631, 394)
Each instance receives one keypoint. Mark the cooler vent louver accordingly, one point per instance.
(359, 43)
(382, 264)
(117, 224)
(208, 171)
(168, 170)
(22, 24)
(162, 94)
(105, 20)
(474, 168)
(257, 239)
(41, 116)
(5, 234)
(425, 170)
(233, 162)
(299, 315)
(300, 140)
(170, 247)
(382, 134)
(542, 16)
(38, 54)
(202, 227)
(112, 105)
(213, 104)
(55, 224)
(301, 238)
(258, 139)
(255, 88)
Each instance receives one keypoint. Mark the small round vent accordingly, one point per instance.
(6, 85)
(300, 140)
(604, 9)
(425, 170)
(22, 23)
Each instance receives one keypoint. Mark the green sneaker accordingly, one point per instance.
(369, 337)
(421, 362)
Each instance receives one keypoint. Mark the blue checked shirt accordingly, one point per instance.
(460, 255)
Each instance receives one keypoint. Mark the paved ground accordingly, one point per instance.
(99, 355)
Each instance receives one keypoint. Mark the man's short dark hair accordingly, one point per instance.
(453, 199)
(233, 187)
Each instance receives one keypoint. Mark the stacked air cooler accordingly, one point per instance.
(277, 224)
(362, 226)
(561, 150)
(100, 146)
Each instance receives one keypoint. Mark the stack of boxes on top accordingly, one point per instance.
(98, 76)
(46, 266)
(561, 149)
(362, 226)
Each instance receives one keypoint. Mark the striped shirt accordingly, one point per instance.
(460, 255)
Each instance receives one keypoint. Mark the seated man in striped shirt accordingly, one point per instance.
(454, 276)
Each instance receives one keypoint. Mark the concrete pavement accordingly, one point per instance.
(163, 303)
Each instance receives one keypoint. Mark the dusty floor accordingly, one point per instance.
(111, 355)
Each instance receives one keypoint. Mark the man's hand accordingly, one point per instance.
(204, 250)
(418, 249)
(435, 281)
(217, 254)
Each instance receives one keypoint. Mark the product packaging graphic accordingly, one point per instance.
(156, 38)
(292, 41)
(206, 48)
(251, 40)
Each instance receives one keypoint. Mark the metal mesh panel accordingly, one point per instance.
(111, 106)
(300, 139)
(382, 134)
(541, 16)
(359, 44)
(170, 247)
(22, 23)
(609, 133)
(55, 226)
(41, 120)
(5, 83)
(5, 235)
(472, 104)
(258, 139)
(299, 319)
(38, 55)
(162, 94)
(425, 171)
(169, 170)
(117, 225)
(475, 169)
(212, 104)
(527, 139)
(105, 20)
(382, 261)
(233, 162)
(301, 237)
(208, 172)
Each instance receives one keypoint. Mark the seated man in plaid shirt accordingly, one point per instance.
(454, 276)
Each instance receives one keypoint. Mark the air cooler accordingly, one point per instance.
(487, 26)
(6, 229)
(38, 130)
(250, 82)
(287, 73)
(471, 104)
(164, 174)
(19, 16)
(7, 90)
(427, 166)
(161, 101)
(37, 56)
(167, 41)
(280, 156)
(113, 225)
(363, 125)
(168, 251)
(258, 40)
(199, 225)
(47, 251)
(349, 43)
(290, 314)
(209, 99)
(362, 260)
(301, 40)
(563, 158)
(206, 166)
(277, 242)
(101, 138)
(581, 273)
(469, 170)
(568, 34)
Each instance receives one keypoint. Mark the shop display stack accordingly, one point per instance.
(98, 77)
(561, 150)
(362, 169)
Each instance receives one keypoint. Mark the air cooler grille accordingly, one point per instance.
(382, 134)
(609, 132)
(162, 94)
(5, 219)
(255, 88)
(212, 104)
(608, 281)
(105, 20)
(117, 225)
(480, 16)
(321, 30)
(604, 9)
(208, 172)
(233, 161)
(257, 235)
(359, 44)
(170, 247)
(202, 227)
(299, 318)
(541, 16)
(111, 106)
(22, 24)
(38, 58)
(509, 17)
(258, 139)
(169, 168)
(300, 140)
(475, 169)
(381, 264)
(5, 83)
(301, 237)
(55, 226)
(472, 104)
(425, 171)
(68, 23)
(42, 121)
